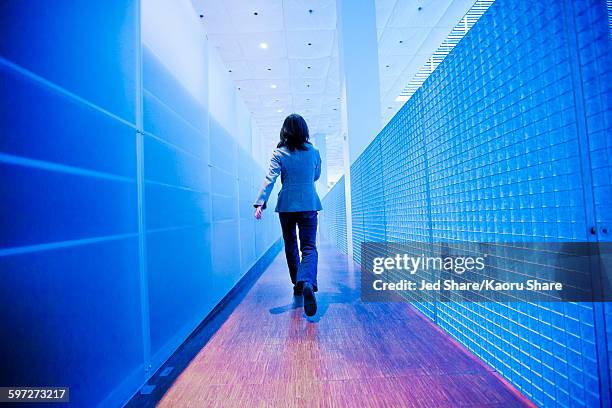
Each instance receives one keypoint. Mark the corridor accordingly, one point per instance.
(351, 354)
(154, 154)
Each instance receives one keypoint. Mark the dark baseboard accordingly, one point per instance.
(165, 376)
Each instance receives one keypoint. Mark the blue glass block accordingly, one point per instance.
(488, 149)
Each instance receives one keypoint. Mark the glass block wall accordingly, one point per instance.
(332, 221)
(508, 140)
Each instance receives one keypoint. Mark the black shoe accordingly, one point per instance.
(310, 303)
(297, 291)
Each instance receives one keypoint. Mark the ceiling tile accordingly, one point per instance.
(310, 14)
(402, 41)
(269, 68)
(424, 13)
(309, 67)
(216, 23)
(214, 16)
(251, 45)
(384, 8)
(268, 18)
(303, 101)
(334, 69)
(239, 70)
(309, 44)
(236, 6)
(275, 86)
(251, 99)
(307, 86)
(391, 66)
(227, 46)
(277, 101)
(330, 100)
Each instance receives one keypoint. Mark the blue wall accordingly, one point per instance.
(332, 226)
(508, 140)
(121, 228)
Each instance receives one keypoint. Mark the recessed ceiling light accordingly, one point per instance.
(280, 111)
(263, 45)
(273, 86)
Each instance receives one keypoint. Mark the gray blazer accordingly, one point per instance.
(298, 170)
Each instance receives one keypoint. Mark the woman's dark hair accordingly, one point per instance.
(294, 133)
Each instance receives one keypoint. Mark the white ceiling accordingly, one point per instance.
(301, 58)
(407, 37)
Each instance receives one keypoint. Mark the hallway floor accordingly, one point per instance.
(351, 354)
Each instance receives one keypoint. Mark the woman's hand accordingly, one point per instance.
(258, 212)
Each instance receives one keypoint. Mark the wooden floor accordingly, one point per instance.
(351, 354)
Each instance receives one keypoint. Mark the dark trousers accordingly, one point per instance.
(304, 270)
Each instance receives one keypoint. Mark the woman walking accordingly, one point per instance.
(298, 163)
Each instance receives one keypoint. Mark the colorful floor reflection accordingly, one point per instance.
(352, 354)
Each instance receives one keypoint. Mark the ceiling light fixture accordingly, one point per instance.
(263, 46)
(273, 86)
(280, 111)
